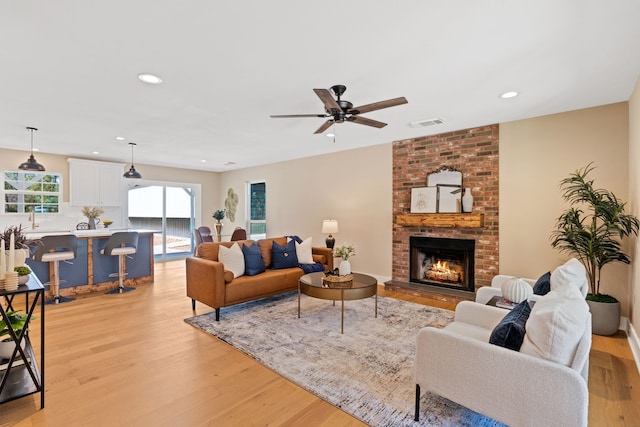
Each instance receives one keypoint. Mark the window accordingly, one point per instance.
(26, 191)
(257, 205)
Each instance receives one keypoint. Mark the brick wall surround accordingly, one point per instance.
(474, 152)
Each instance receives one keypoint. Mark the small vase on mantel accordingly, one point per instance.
(467, 200)
(345, 267)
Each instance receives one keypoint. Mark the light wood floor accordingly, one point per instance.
(131, 360)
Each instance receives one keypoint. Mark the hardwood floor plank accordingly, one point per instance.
(131, 359)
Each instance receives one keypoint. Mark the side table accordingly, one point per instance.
(22, 375)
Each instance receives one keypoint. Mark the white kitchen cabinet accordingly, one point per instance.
(94, 183)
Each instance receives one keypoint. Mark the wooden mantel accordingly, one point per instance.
(443, 220)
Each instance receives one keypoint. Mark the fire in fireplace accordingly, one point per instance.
(442, 262)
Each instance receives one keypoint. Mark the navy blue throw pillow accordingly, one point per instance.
(543, 284)
(284, 256)
(253, 261)
(510, 331)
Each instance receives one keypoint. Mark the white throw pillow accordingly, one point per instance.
(303, 252)
(232, 258)
(556, 324)
(572, 273)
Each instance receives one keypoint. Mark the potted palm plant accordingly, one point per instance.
(592, 229)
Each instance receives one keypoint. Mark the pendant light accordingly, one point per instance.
(132, 173)
(31, 164)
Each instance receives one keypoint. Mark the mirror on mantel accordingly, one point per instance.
(439, 204)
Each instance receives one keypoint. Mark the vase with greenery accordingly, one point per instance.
(23, 274)
(345, 252)
(20, 243)
(20, 239)
(592, 229)
(92, 213)
(17, 322)
(218, 216)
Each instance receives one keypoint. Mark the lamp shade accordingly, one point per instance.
(330, 226)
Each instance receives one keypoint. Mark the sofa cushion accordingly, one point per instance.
(510, 331)
(253, 262)
(228, 276)
(556, 325)
(209, 250)
(572, 273)
(303, 251)
(232, 258)
(266, 245)
(284, 256)
(543, 284)
(322, 259)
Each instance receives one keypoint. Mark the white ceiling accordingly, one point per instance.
(69, 68)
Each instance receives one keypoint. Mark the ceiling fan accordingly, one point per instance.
(339, 111)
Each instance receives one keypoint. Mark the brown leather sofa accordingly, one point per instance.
(209, 282)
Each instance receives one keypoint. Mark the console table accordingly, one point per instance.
(22, 375)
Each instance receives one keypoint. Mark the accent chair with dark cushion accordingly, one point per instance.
(543, 382)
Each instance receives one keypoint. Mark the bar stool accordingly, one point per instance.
(53, 249)
(121, 244)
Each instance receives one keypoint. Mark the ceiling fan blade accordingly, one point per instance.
(326, 125)
(279, 116)
(327, 99)
(364, 121)
(378, 105)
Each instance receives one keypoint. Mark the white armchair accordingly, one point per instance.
(518, 389)
(545, 383)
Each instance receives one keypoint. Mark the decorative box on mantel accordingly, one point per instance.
(442, 220)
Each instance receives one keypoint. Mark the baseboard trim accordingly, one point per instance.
(634, 343)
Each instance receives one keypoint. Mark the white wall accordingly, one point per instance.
(634, 202)
(353, 187)
(535, 155)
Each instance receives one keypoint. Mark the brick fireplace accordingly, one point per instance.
(474, 152)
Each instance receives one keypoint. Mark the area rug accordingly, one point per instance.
(367, 371)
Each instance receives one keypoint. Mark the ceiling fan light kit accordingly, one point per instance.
(339, 110)
(31, 164)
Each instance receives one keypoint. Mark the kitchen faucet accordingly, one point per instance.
(32, 218)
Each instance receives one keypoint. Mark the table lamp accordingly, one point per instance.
(330, 226)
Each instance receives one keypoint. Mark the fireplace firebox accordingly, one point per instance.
(442, 262)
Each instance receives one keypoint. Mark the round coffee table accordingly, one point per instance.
(364, 286)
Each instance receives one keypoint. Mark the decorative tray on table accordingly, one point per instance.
(332, 279)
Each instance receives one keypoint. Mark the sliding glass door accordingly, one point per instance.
(169, 210)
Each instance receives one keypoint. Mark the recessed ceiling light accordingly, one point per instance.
(229, 163)
(95, 152)
(120, 138)
(331, 135)
(36, 149)
(203, 161)
(149, 78)
(510, 94)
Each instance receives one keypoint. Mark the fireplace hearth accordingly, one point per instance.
(442, 262)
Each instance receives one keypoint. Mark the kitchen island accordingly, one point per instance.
(90, 270)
